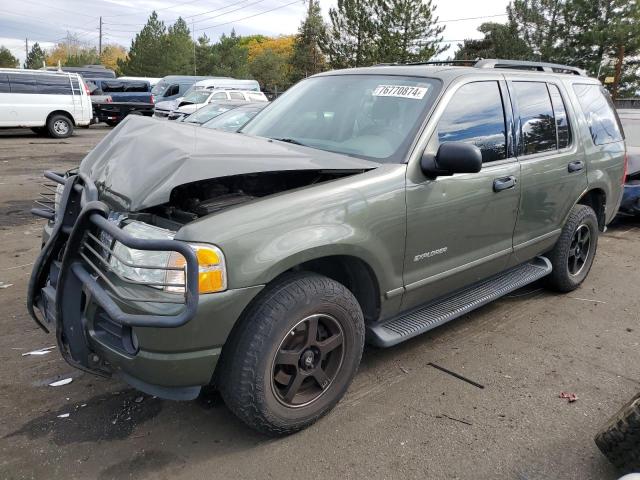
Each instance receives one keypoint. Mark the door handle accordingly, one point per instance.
(504, 183)
(575, 166)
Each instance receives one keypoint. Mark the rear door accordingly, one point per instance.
(460, 228)
(554, 172)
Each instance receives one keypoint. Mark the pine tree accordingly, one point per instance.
(542, 25)
(35, 57)
(230, 57)
(351, 37)
(500, 41)
(307, 58)
(204, 56)
(7, 60)
(407, 31)
(147, 52)
(178, 52)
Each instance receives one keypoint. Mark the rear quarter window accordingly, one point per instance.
(598, 109)
(4, 83)
(53, 85)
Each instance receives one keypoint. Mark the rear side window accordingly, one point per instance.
(236, 96)
(536, 117)
(4, 83)
(53, 84)
(219, 96)
(598, 109)
(475, 115)
(560, 112)
(22, 83)
(76, 86)
(172, 90)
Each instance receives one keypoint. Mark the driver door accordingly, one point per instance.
(460, 227)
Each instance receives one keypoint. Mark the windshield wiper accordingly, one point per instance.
(289, 140)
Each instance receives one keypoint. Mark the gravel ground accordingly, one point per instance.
(401, 417)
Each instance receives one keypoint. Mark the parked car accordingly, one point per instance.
(163, 109)
(88, 71)
(153, 81)
(121, 90)
(366, 204)
(232, 120)
(45, 101)
(172, 87)
(197, 99)
(210, 111)
(631, 124)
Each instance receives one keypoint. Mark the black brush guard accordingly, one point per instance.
(73, 269)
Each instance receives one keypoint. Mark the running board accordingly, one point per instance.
(425, 318)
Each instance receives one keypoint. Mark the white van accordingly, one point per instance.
(46, 101)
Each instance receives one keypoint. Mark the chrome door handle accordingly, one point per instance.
(504, 183)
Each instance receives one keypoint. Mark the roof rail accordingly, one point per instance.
(469, 63)
(535, 66)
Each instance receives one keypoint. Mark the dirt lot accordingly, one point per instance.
(401, 418)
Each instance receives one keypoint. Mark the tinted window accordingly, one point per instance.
(560, 112)
(536, 117)
(172, 90)
(236, 96)
(599, 112)
(53, 84)
(475, 115)
(4, 83)
(22, 83)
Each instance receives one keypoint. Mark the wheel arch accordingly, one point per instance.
(596, 198)
(61, 112)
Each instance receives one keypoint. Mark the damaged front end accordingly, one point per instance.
(72, 274)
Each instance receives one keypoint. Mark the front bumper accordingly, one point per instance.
(165, 344)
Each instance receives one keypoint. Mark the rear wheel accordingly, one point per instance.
(294, 355)
(59, 126)
(619, 440)
(573, 254)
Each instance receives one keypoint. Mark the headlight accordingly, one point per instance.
(127, 262)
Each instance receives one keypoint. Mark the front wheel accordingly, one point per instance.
(573, 254)
(294, 355)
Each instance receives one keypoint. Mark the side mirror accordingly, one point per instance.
(452, 157)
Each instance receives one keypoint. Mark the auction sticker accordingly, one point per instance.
(401, 91)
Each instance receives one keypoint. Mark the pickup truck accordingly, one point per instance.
(121, 90)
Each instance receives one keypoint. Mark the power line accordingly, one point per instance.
(134, 12)
(472, 18)
(247, 17)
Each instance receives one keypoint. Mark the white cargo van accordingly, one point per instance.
(45, 101)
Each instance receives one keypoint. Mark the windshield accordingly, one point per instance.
(159, 88)
(208, 112)
(232, 121)
(374, 117)
(631, 127)
(197, 96)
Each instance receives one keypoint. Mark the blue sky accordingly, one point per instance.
(48, 22)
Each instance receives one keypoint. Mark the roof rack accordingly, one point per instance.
(498, 63)
(525, 65)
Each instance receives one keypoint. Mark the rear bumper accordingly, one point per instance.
(106, 324)
(631, 198)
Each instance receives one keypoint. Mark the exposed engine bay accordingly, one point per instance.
(191, 201)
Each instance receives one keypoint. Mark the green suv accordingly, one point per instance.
(363, 206)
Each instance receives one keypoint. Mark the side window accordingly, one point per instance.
(22, 83)
(236, 96)
(172, 90)
(598, 109)
(560, 113)
(4, 83)
(536, 117)
(219, 96)
(75, 84)
(54, 84)
(475, 115)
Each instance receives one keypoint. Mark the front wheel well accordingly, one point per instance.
(355, 274)
(597, 200)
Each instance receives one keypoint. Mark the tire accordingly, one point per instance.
(619, 440)
(112, 123)
(59, 126)
(270, 353)
(571, 257)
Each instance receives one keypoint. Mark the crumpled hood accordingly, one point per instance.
(168, 104)
(142, 160)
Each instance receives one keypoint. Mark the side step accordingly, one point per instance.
(440, 311)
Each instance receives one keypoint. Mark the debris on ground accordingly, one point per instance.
(571, 397)
(139, 399)
(404, 370)
(456, 375)
(60, 383)
(5, 285)
(64, 415)
(40, 351)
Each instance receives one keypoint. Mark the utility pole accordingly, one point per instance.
(100, 39)
(193, 39)
(26, 50)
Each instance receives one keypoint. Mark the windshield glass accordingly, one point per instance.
(374, 117)
(197, 96)
(159, 88)
(232, 121)
(207, 112)
(631, 127)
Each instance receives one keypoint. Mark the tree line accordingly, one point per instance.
(601, 36)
